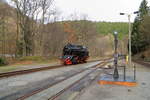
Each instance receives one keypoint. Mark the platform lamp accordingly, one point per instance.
(116, 74)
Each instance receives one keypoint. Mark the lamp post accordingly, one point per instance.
(129, 21)
(116, 75)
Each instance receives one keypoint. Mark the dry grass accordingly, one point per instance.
(25, 61)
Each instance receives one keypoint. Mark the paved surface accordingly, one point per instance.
(75, 90)
(87, 89)
(113, 92)
(44, 95)
(14, 87)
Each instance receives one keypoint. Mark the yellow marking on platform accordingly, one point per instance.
(124, 83)
(127, 59)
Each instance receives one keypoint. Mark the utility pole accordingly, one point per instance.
(130, 55)
(129, 22)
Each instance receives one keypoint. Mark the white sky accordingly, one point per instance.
(98, 10)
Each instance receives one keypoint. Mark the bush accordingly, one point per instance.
(3, 61)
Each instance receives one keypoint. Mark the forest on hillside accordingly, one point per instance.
(141, 32)
(23, 35)
(31, 28)
(109, 27)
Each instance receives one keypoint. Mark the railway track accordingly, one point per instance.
(76, 82)
(26, 71)
(20, 72)
(52, 97)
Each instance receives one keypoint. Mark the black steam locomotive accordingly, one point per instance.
(74, 54)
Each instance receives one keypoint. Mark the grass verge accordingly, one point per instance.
(26, 62)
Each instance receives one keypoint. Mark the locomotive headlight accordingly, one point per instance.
(84, 47)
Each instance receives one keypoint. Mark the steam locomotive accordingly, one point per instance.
(74, 54)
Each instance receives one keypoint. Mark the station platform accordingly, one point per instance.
(109, 80)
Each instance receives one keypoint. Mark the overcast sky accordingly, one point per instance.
(99, 10)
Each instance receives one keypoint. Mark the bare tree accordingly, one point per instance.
(46, 10)
(27, 11)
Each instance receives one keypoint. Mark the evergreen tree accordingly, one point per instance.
(143, 10)
(137, 42)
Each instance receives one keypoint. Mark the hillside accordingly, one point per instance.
(109, 27)
(7, 29)
(53, 36)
